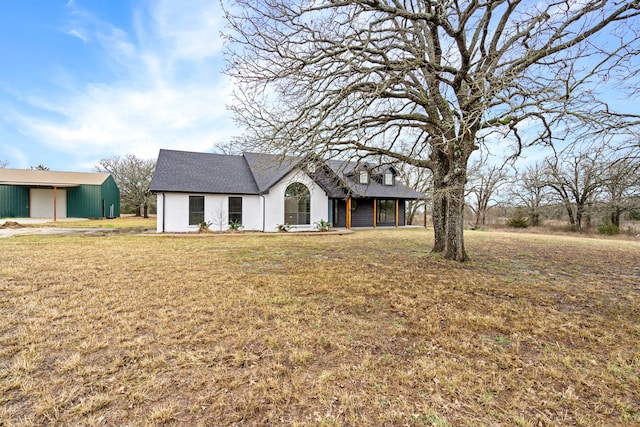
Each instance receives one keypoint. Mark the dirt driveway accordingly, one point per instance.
(10, 227)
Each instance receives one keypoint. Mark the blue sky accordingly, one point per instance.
(82, 80)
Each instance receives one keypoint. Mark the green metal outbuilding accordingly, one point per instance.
(52, 194)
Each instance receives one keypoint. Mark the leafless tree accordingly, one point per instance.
(575, 177)
(484, 180)
(425, 82)
(133, 176)
(621, 186)
(220, 216)
(530, 191)
(4, 164)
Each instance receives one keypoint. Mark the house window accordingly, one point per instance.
(235, 210)
(297, 204)
(364, 177)
(386, 211)
(196, 210)
(388, 178)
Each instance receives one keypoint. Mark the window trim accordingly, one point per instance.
(363, 176)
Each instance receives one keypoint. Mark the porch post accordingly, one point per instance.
(55, 202)
(397, 205)
(348, 218)
(375, 205)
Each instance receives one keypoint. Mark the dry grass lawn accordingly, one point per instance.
(361, 329)
(127, 222)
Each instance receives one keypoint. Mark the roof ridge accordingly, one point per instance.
(274, 170)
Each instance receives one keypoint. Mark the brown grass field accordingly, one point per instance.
(366, 329)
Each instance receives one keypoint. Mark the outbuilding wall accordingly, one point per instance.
(80, 201)
(14, 201)
(94, 201)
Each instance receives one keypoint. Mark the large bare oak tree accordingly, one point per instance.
(425, 82)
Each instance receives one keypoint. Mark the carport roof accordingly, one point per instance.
(40, 178)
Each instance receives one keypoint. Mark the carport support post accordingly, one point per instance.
(55, 202)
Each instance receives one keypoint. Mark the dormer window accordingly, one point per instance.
(364, 177)
(388, 178)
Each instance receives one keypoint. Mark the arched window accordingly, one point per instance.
(297, 204)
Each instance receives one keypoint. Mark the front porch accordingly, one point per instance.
(367, 212)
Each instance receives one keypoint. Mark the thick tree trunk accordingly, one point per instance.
(439, 216)
(615, 216)
(572, 219)
(449, 178)
(439, 210)
(579, 213)
(454, 241)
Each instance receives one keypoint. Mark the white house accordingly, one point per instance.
(262, 191)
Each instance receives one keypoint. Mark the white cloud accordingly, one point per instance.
(193, 35)
(78, 34)
(168, 92)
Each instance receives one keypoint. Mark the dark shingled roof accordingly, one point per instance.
(268, 169)
(346, 180)
(189, 172)
(254, 173)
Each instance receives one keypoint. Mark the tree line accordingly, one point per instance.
(594, 184)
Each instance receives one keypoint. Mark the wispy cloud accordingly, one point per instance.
(167, 91)
(78, 34)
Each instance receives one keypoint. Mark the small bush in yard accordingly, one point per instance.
(283, 227)
(609, 229)
(519, 219)
(204, 226)
(235, 225)
(323, 225)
